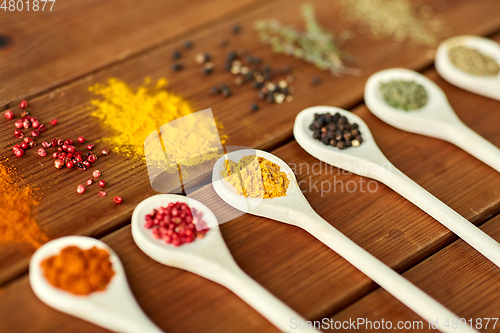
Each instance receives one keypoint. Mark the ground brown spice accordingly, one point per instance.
(78, 271)
(17, 224)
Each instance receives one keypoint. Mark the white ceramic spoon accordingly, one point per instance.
(295, 210)
(114, 308)
(436, 119)
(367, 160)
(208, 257)
(483, 85)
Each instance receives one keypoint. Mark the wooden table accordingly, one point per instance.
(50, 58)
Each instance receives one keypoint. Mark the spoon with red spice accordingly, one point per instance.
(208, 256)
(295, 210)
(114, 308)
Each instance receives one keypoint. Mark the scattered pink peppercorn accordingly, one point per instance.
(42, 152)
(9, 114)
(32, 144)
(19, 153)
(19, 124)
(24, 145)
(90, 182)
(102, 193)
(42, 128)
(54, 154)
(90, 146)
(46, 144)
(86, 163)
(96, 173)
(69, 164)
(35, 124)
(80, 189)
(102, 183)
(27, 139)
(16, 147)
(117, 200)
(26, 124)
(35, 134)
(53, 122)
(59, 164)
(23, 104)
(69, 142)
(18, 134)
(60, 142)
(81, 139)
(71, 149)
(105, 152)
(92, 158)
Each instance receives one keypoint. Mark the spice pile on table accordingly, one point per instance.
(80, 272)
(314, 45)
(335, 130)
(256, 177)
(472, 61)
(404, 95)
(131, 115)
(399, 20)
(176, 224)
(17, 224)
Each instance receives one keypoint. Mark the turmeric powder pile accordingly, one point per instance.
(256, 177)
(17, 224)
(78, 271)
(131, 115)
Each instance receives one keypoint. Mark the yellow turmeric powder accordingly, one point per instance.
(17, 224)
(256, 177)
(131, 115)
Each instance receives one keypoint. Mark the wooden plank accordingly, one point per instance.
(291, 264)
(462, 280)
(50, 48)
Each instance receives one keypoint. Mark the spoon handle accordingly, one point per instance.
(464, 229)
(406, 292)
(274, 310)
(465, 138)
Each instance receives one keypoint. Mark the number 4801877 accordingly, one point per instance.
(19, 5)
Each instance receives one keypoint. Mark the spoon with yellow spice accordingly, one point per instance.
(261, 184)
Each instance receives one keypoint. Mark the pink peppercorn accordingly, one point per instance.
(35, 124)
(90, 146)
(46, 144)
(69, 164)
(24, 145)
(90, 182)
(81, 139)
(80, 189)
(19, 124)
(102, 183)
(102, 193)
(42, 152)
(53, 122)
(105, 152)
(96, 173)
(9, 114)
(117, 200)
(19, 153)
(92, 158)
(23, 104)
(58, 164)
(35, 134)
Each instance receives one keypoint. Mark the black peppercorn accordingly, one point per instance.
(254, 107)
(188, 45)
(214, 90)
(176, 54)
(236, 29)
(224, 43)
(177, 66)
(315, 81)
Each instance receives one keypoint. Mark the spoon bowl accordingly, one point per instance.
(113, 308)
(208, 257)
(295, 210)
(436, 119)
(488, 86)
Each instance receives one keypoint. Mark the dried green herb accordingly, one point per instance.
(399, 20)
(314, 45)
(405, 95)
(472, 61)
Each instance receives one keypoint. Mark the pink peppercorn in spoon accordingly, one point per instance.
(295, 210)
(208, 257)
